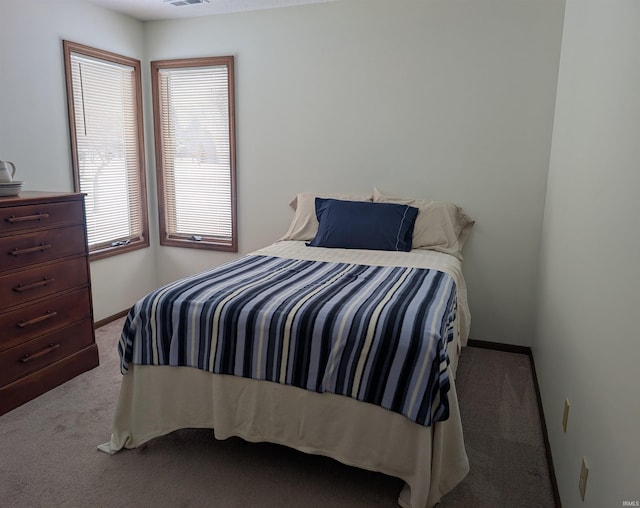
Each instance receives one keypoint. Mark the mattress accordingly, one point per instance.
(430, 459)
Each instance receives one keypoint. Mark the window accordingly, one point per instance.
(193, 109)
(104, 98)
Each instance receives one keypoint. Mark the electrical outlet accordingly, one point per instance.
(584, 474)
(565, 415)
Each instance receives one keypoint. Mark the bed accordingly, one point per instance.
(345, 352)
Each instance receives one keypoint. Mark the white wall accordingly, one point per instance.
(429, 99)
(34, 131)
(586, 345)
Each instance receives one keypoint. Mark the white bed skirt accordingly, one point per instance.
(157, 400)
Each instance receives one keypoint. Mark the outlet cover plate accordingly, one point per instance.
(584, 474)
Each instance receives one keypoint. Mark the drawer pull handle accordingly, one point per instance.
(50, 314)
(45, 351)
(26, 218)
(39, 248)
(21, 288)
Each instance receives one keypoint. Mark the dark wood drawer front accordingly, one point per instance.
(31, 356)
(45, 316)
(18, 219)
(25, 286)
(24, 250)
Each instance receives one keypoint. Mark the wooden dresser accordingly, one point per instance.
(46, 318)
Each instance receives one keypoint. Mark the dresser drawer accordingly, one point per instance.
(31, 356)
(17, 219)
(25, 286)
(42, 317)
(43, 380)
(27, 249)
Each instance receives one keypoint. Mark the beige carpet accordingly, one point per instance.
(48, 455)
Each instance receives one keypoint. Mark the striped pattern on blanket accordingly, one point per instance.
(375, 333)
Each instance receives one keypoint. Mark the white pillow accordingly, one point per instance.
(304, 224)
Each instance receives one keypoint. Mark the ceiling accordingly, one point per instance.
(147, 10)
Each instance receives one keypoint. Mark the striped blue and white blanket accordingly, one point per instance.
(378, 334)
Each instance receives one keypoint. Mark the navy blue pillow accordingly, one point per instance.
(364, 225)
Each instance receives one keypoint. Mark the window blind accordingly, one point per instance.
(109, 168)
(193, 109)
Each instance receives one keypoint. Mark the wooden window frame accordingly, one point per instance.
(142, 241)
(176, 240)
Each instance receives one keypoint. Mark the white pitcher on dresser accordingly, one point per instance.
(7, 171)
